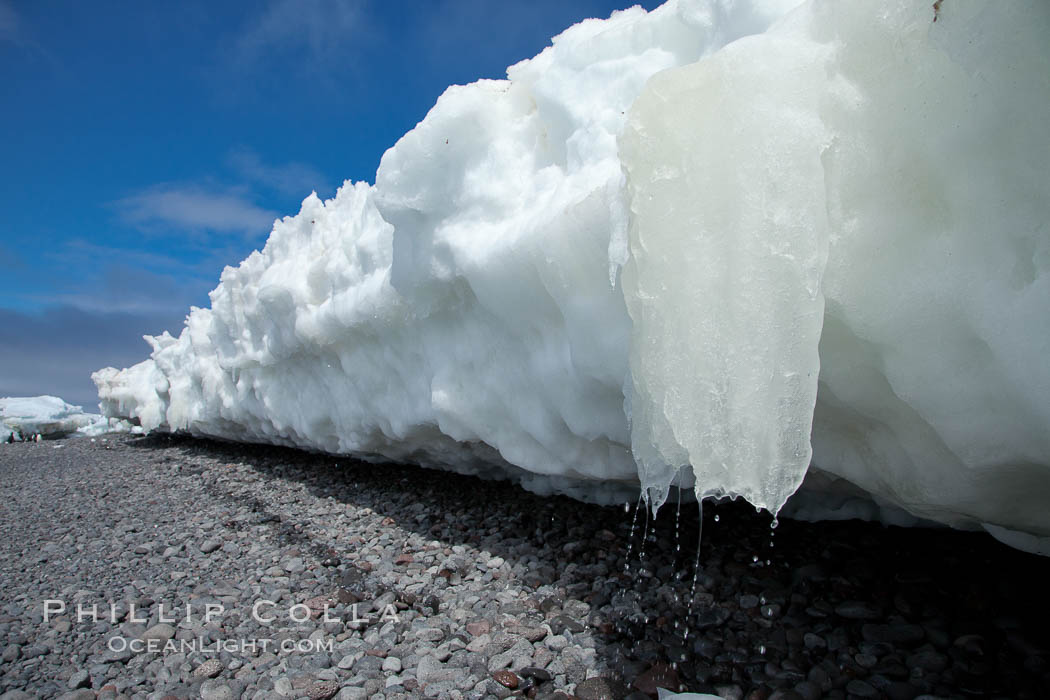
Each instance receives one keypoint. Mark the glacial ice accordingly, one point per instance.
(726, 245)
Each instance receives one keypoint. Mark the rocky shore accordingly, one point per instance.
(172, 567)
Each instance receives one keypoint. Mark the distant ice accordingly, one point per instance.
(705, 246)
(50, 417)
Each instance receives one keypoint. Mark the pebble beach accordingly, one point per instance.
(173, 567)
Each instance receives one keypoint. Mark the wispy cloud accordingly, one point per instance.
(13, 30)
(296, 179)
(12, 260)
(106, 279)
(55, 352)
(9, 23)
(190, 208)
(318, 30)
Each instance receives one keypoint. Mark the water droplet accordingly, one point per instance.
(626, 507)
(716, 518)
(630, 538)
(754, 558)
(768, 562)
(762, 600)
(762, 649)
(773, 525)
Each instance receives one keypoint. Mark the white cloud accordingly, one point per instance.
(322, 29)
(294, 178)
(192, 209)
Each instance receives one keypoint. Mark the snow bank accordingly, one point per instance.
(706, 246)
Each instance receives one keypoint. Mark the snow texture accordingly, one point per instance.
(714, 246)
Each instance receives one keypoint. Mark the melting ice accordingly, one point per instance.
(763, 241)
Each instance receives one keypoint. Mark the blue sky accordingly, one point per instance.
(143, 146)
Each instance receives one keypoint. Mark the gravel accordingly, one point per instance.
(232, 571)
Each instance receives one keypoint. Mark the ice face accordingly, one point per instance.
(704, 245)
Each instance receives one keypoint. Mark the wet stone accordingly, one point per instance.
(506, 678)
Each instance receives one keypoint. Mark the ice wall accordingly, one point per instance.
(672, 248)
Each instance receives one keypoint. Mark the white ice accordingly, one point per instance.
(48, 416)
(719, 245)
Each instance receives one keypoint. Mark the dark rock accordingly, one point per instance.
(899, 690)
(894, 633)
(560, 623)
(711, 617)
(351, 577)
(861, 689)
(808, 690)
(858, 610)
(814, 641)
(539, 674)
(928, 660)
(659, 675)
(550, 603)
(34, 650)
(79, 679)
(782, 694)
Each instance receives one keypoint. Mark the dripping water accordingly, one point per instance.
(677, 542)
(630, 537)
(677, 523)
(645, 536)
(696, 569)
